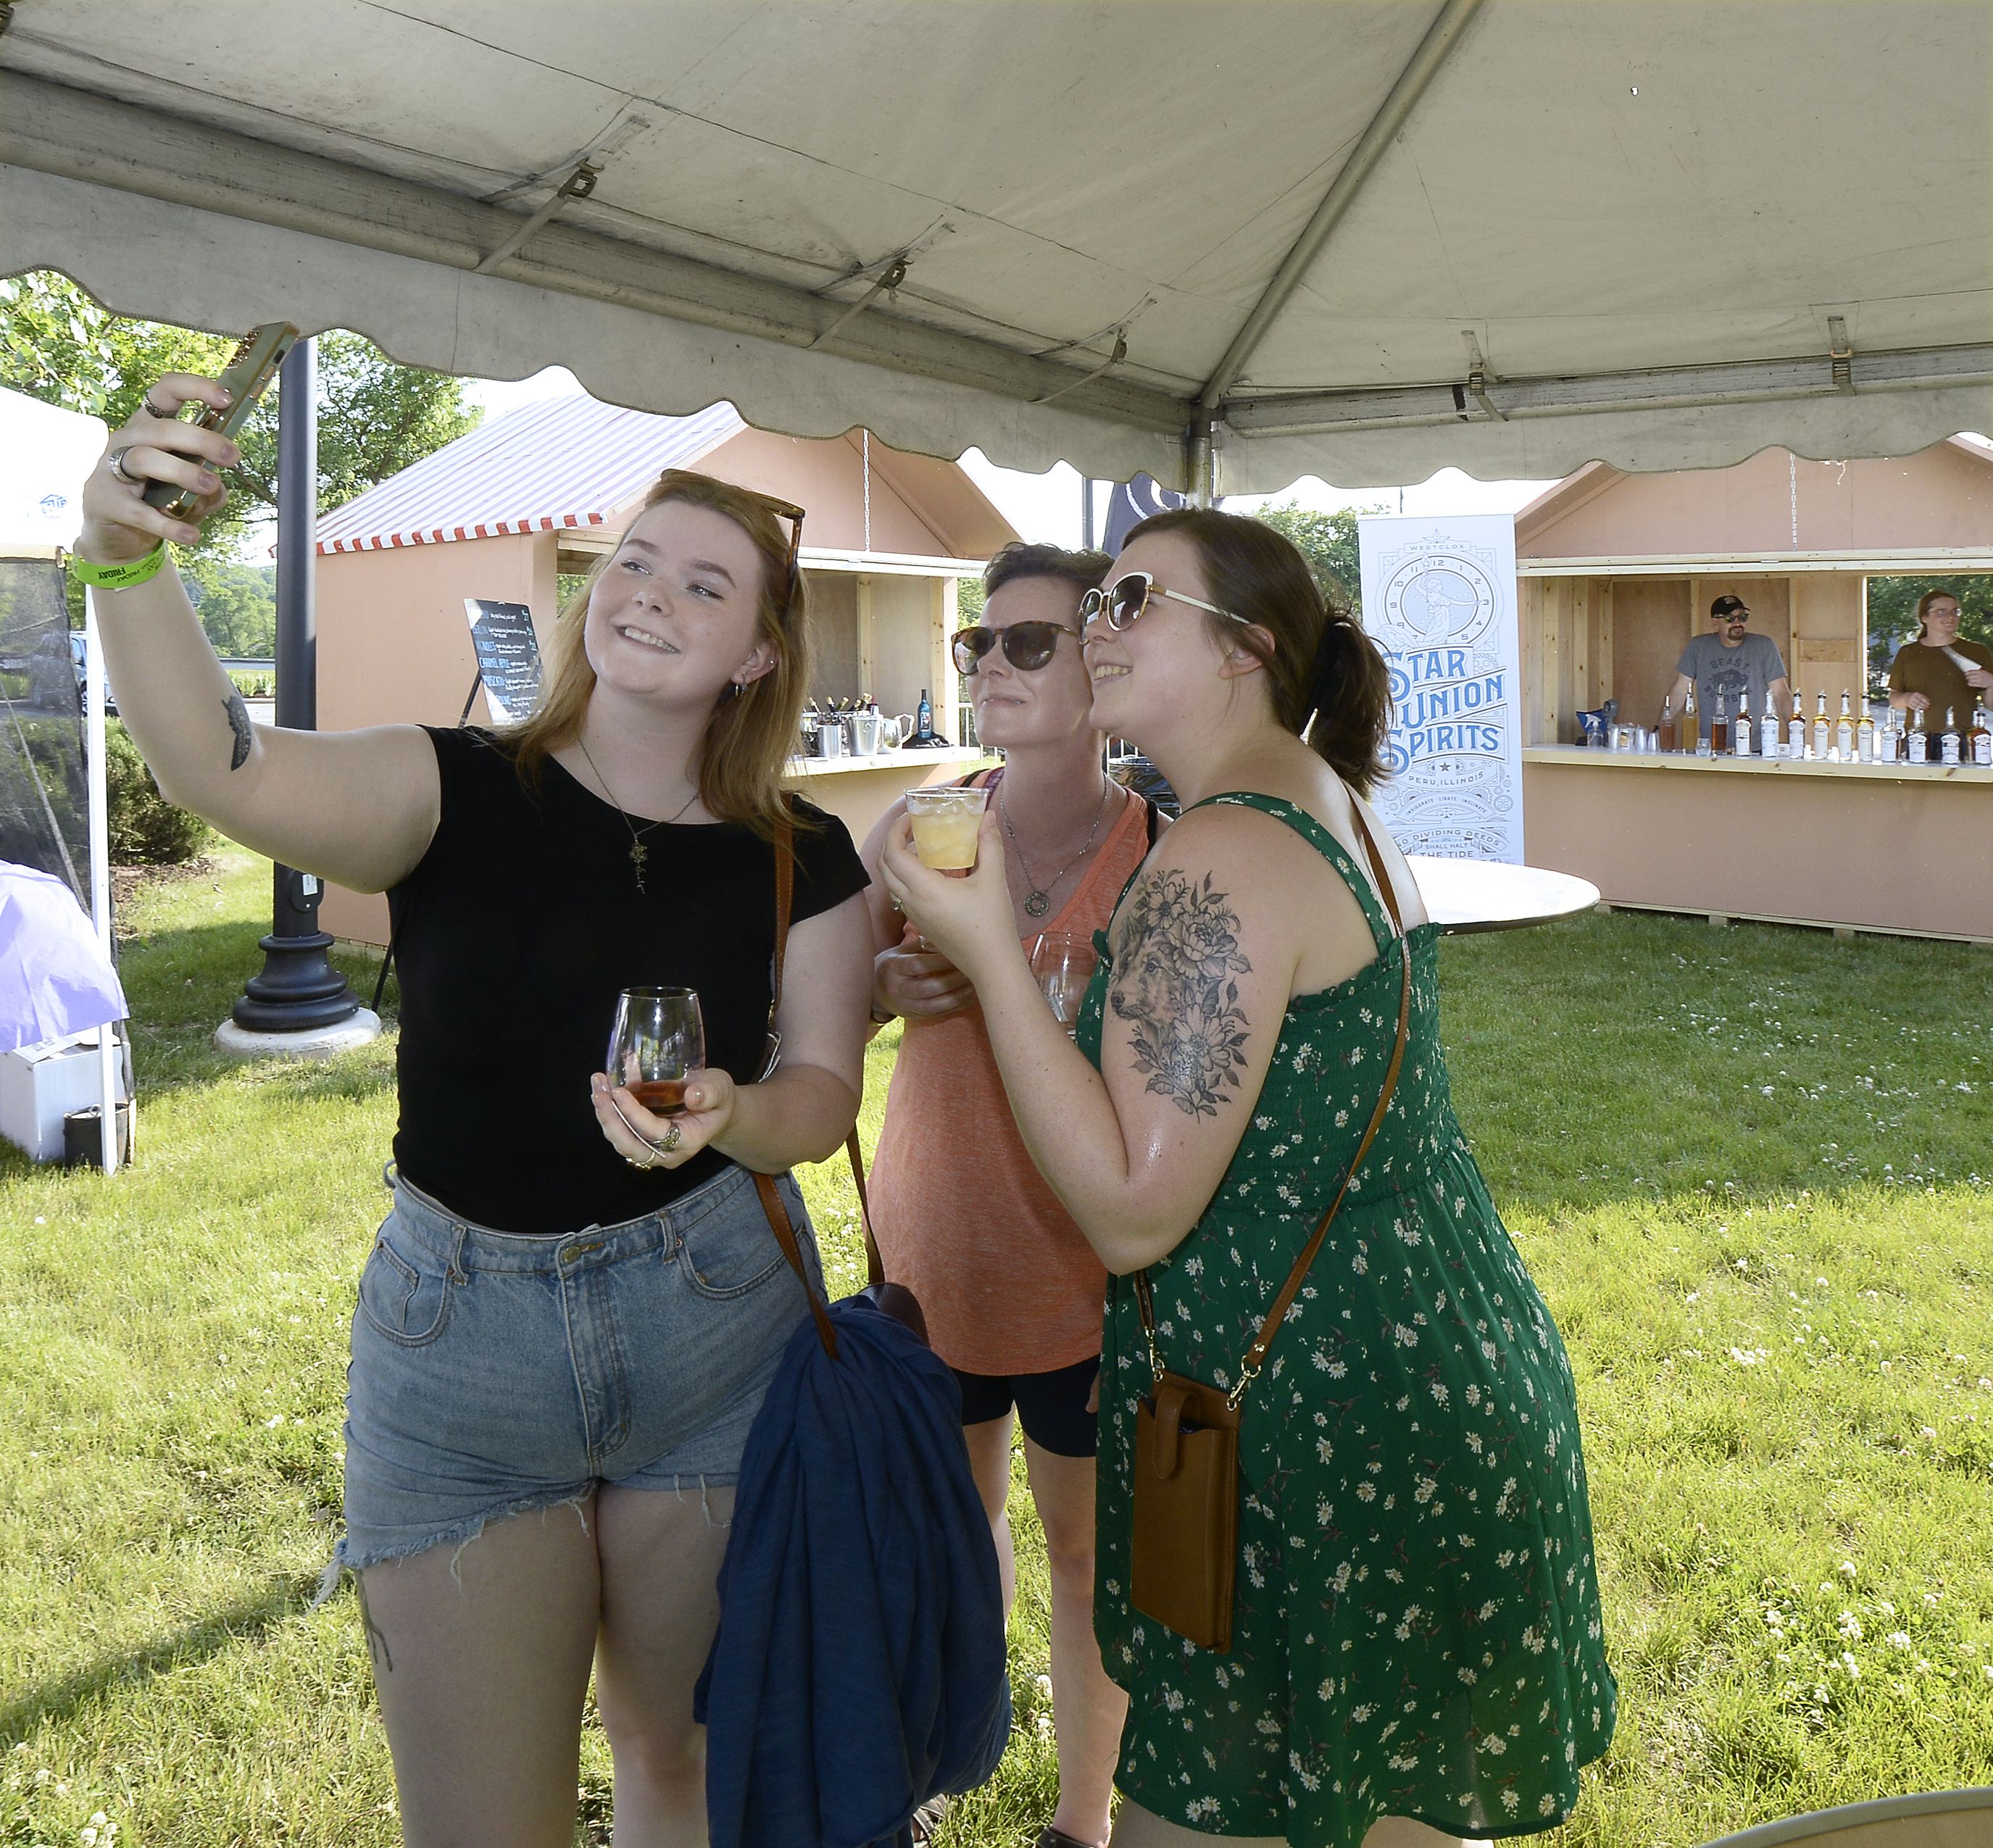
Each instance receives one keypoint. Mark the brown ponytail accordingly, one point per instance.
(1327, 679)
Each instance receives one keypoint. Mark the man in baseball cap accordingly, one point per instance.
(1728, 662)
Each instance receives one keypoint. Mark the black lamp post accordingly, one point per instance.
(299, 990)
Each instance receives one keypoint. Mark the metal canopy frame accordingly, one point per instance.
(75, 134)
(99, 140)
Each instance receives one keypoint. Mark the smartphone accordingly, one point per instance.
(250, 369)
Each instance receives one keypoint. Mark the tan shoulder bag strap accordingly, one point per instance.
(764, 1185)
(1256, 1355)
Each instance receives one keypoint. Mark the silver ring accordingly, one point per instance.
(117, 466)
(673, 1137)
(152, 410)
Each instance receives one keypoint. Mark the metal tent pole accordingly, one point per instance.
(299, 990)
(1450, 22)
(97, 798)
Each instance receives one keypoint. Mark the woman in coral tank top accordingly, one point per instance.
(1011, 1290)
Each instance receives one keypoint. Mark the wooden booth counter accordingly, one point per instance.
(1852, 846)
(1616, 573)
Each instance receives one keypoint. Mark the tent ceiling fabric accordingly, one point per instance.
(1582, 196)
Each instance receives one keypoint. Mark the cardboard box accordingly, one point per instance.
(41, 1085)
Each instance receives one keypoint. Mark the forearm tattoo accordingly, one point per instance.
(238, 723)
(1173, 983)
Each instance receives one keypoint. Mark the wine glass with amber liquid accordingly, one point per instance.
(657, 1042)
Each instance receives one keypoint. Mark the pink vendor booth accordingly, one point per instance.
(1616, 572)
(544, 491)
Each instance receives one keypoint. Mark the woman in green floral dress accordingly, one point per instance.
(1417, 1651)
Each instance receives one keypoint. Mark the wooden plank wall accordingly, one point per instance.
(1567, 653)
(1830, 640)
(1586, 640)
(1651, 628)
(1529, 620)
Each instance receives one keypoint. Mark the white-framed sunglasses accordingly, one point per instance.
(1122, 601)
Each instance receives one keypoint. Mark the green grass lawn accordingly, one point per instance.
(1750, 1169)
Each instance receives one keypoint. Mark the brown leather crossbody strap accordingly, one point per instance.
(1256, 1355)
(785, 1236)
(771, 1200)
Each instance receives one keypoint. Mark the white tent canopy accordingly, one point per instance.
(1363, 239)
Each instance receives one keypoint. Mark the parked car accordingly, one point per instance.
(76, 657)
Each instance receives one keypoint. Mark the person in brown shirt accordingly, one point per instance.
(1935, 672)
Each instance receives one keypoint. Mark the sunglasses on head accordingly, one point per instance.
(1123, 600)
(1027, 646)
(782, 510)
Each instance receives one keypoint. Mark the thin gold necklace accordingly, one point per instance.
(639, 853)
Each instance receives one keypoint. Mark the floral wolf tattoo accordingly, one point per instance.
(1174, 984)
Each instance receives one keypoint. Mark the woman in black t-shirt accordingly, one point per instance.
(569, 1316)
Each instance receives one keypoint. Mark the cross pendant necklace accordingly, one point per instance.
(1038, 900)
(639, 854)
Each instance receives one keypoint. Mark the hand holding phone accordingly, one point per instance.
(250, 369)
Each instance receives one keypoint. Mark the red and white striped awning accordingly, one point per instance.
(566, 462)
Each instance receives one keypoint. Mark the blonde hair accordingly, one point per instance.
(751, 732)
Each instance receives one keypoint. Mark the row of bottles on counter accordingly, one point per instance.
(856, 728)
(1901, 738)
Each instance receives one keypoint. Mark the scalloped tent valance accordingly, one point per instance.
(1364, 240)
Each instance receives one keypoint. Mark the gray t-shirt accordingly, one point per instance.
(1723, 673)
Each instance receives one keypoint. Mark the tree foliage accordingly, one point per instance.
(1328, 542)
(238, 609)
(374, 418)
(145, 829)
(1893, 615)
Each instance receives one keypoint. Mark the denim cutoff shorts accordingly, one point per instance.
(494, 1374)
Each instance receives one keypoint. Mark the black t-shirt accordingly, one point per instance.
(514, 934)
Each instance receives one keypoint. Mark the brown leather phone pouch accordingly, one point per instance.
(1184, 1545)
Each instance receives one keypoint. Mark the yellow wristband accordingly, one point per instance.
(122, 576)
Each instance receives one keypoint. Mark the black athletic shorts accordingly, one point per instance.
(1051, 1406)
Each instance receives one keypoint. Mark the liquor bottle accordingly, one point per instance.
(1719, 731)
(1821, 742)
(1740, 735)
(1692, 738)
(1981, 739)
(1666, 742)
(1949, 740)
(1796, 729)
(1864, 736)
(1768, 729)
(1844, 731)
(1917, 744)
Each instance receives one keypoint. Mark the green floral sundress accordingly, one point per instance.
(1416, 1631)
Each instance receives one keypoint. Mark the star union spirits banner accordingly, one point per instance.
(1439, 598)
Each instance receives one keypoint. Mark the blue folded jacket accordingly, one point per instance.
(859, 1667)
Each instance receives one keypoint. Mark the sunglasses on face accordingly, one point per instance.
(1735, 615)
(1027, 646)
(1123, 600)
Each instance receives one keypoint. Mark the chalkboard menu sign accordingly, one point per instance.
(508, 656)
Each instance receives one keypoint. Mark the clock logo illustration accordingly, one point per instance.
(1439, 597)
